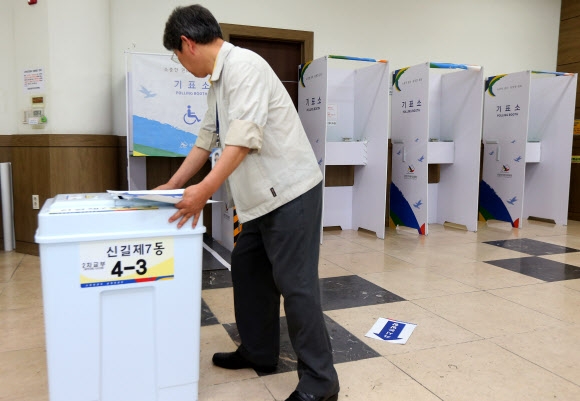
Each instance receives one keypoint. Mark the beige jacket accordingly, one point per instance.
(255, 111)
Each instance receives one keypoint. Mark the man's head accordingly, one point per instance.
(195, 23)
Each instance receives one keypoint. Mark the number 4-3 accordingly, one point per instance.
(141, 268)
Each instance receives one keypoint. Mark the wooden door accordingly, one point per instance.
(284, 57)
(285, 50)
(569, 61)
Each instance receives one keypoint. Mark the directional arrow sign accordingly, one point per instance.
(393, 331)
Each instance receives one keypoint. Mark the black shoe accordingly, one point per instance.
(233, 360)
(300, 396)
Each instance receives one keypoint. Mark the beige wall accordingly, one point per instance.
(81, 43)
(502, 35)
(70, 40)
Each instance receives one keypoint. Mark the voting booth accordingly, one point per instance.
(344, 108)
(436, 119)
(165, 107)
(226, 227)
(122, 300)
(527, 135)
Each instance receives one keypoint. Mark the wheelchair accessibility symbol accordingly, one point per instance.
(190, 118)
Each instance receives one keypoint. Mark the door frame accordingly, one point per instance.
(305, 38)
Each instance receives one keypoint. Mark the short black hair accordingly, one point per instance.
(194, 22)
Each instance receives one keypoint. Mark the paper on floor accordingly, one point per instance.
(393, 331)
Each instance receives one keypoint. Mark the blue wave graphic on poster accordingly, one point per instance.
(401, 212)
(162, 137)
(491, 206)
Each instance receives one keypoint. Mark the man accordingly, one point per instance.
(276, 185)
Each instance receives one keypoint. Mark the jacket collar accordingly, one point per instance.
(220, 60)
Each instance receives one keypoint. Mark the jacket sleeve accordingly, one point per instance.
(248, 94)
(207, 135)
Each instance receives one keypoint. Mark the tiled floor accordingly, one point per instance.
(497, 314)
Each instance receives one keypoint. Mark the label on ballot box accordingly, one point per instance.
(127, 261)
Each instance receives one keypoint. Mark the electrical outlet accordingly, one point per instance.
(35, 202)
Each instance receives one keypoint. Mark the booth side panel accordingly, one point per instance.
(435, 103)
(341, 106)
(371, 124)
(340, 116)
(410, 131)
(338, 207)
(461, 122)
(435, 95)
(312, 86)
(222, 219)
(505, 127)
(223, 225)
(410, 103)
(434, 133)
(547, 183)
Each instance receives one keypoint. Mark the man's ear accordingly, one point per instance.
(187, 44)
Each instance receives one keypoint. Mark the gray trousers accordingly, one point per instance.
(277, 254)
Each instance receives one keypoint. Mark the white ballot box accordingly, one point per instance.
(122, 299)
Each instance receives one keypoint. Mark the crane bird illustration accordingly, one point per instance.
(147, 92)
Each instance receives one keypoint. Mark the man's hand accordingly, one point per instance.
(195, 196)
(163, 187)
(194, 199)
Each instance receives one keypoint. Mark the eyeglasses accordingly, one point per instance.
(174, 58)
